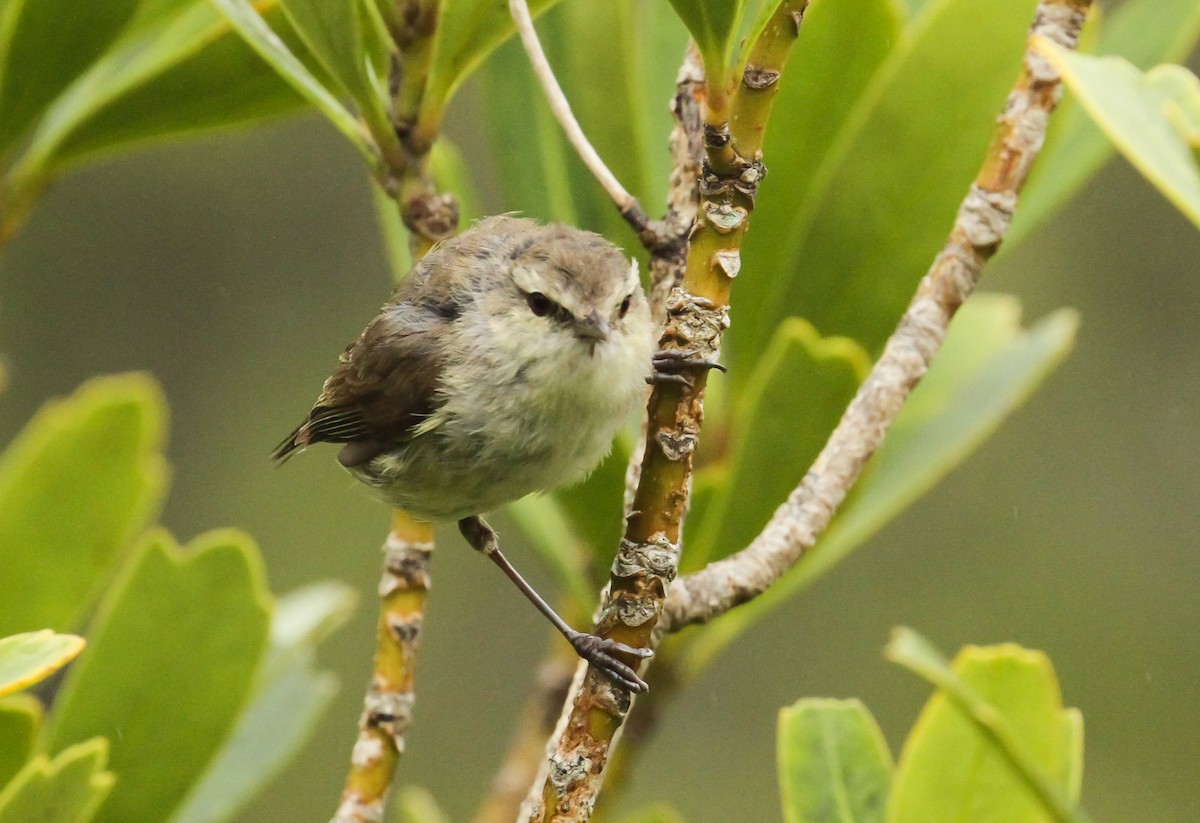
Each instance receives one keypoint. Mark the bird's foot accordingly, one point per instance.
(600, 653)
(669, 365)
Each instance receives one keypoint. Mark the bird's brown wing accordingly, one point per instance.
(386, 381)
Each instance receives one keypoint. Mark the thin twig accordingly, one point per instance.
(625, 202)
(983, 220)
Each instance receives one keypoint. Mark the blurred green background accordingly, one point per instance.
(235, 268)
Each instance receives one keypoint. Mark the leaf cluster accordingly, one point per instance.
(196, 684)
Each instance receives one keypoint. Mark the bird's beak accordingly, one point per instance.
(593, 328)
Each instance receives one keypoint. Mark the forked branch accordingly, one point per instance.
(983, 220)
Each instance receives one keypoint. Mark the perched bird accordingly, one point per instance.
(503, 364)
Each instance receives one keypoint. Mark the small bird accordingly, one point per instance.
(503, 364)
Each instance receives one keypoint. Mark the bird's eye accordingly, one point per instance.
(539, 304)
(625, 306)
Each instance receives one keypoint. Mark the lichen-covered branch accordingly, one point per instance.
(648, 556)
(387, 707)
(983, 219)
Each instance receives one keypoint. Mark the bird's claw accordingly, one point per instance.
(669, 365)
(600, 653)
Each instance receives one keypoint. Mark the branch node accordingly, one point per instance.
(758, 78)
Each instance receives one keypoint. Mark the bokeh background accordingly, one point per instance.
(236, 267)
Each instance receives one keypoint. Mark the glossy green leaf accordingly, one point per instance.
(221, 85)
(62, 529)
(841, 46)
(250, 25)
(987, 367)
(849, 252)
(796, 395)
(182, 628)
(289, 697)
(714, 25)
(834, 765)
(44, 45)
(67, 789)
(20, 719)
(993, 744)
(31, 657)
(339, 34)
(1145, 32)
(417, 805)
(1152, 118)
(467, 32)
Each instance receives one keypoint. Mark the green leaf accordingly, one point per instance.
(31, 657)
(988, 366)
(289, 697)
(180, 629)
(20, 719)
(773, 439)
(336, 33)
(637, 47)
(44, 45)
(305, 617)
(251, 26)
(994, 743)
(834, 765)
(417, 805)
(551, 535)
(1145, 32)
(67, 789)
(223, 84)
(714, 25)
(1152, 118)
(823, 75)
(467, 32)
(61, 529)
(658, 813)
(849, 254)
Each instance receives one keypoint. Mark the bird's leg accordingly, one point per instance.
(669, 365)
(598, 651)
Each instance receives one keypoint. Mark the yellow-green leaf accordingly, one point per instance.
(288, 699)
(1152, 118)
(171, 660)
(76, 486)
(834, 765)
(993, 744)
(1145, 32)
(243, 16)
(30, 657)
(67, 789)
(20, 719)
